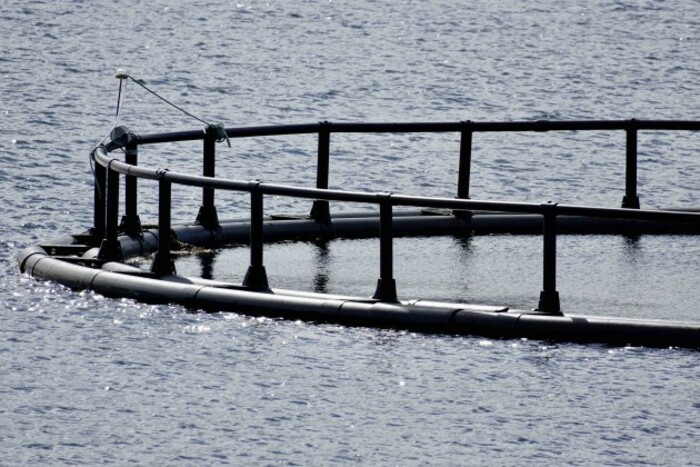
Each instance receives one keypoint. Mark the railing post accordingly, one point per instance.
(256, 276)
(320, 211)
(465, 162)
(98, 229)
(163, 263)
(207, 216)
(386, 284)
(110, 248)
(131, 224)
(549, 297)
(631, 200)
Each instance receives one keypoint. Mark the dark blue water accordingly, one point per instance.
(88, 380)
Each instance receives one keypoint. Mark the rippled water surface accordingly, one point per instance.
(89, 380)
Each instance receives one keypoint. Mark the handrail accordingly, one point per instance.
(396, 199)
(325, 129)
(108, 170)
(428, 127)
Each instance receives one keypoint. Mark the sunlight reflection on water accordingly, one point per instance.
(89, 380)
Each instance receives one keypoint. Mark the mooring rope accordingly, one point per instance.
(120, 102)
(122, 75)
(120, 105)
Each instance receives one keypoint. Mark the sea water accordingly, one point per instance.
(90, 380)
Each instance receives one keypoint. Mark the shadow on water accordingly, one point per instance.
(464, 242)
(206, 263)
(465, 251)
(632, 248)
(632, 243)
(323, 260)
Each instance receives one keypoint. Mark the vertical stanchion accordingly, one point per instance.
(386, 284)
(631, 200)
(207, 216)
(131, 224)
(256, 277)
(465, 162)
(320, 212)
(98, 229)
(163, 262)
(110, 249)
(549, 297)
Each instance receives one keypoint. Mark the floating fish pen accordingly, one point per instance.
(101, 259)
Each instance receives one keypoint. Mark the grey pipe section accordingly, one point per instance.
(232, 232)
(120, 280)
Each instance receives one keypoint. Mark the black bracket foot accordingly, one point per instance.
(208, 217)
(110, 250)
(163, 264)
(630, 202)
(549, 303)
(256, 278)
(131, 226)
(386, 291)
(320, 212)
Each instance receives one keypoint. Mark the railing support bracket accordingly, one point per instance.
(163, 263)
(386, 284)
(320, 212)
(256, 276)
(549, 297)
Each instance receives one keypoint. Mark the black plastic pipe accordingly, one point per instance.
(428, 127)
(398, 200)
(417, 315)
